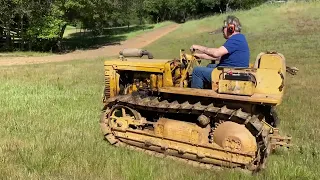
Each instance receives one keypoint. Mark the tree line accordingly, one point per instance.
(40, 24)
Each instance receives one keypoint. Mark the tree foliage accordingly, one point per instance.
(40, 24)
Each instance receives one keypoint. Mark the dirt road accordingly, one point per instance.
(105, 51)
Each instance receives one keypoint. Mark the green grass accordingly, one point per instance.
(50, 112)
(24, 54)
(70, 30)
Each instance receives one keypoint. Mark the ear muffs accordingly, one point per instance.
(231, 28)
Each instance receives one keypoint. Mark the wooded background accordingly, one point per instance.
(39, 25)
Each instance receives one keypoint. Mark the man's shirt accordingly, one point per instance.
(239, 54)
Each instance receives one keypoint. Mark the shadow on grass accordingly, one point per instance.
(109, 36)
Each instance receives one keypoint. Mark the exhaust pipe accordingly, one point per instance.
(133, 52)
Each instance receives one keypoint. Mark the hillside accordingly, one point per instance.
(50, 112)
(290, 29)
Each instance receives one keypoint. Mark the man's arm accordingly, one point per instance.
(205, 56)
(214, 52)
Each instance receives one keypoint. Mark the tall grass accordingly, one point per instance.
(50, 112)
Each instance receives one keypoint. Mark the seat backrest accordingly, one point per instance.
(270, 60)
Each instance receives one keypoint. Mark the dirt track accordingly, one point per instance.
(105, 51)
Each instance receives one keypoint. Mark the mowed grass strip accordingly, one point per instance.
(50, 112)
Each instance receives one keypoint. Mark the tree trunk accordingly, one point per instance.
(62, 30)
(59, 41)
(21, 32)
(1, 33)
(8, 36)
(29, 45)
(1, 37)
(227, 6)
(140, 19)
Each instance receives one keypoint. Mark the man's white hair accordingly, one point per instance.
(235, 21)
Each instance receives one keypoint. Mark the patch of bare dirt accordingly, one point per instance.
(105, 51)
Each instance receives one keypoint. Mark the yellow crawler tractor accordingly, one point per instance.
(149, 106)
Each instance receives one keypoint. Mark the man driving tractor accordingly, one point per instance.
(233, 53)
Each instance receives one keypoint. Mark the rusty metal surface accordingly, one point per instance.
(257, 128)
(256, 98)
(233, 136)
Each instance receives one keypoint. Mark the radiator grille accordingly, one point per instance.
(107, 84)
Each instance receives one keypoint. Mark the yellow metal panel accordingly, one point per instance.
(215, 79)
(167, 76)
(268, 87)
(145, 65)
(272, 61)
(153, 81)
(181, 131)
(160, 81)
(275, 62)
(117, 85)
(268, 81)
(258, 98)
(236, 87)
(148, 62)
(139, 68)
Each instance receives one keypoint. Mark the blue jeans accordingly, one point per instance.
(201, 75)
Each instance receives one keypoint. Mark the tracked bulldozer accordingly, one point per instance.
(148, 105)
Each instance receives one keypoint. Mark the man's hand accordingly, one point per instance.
(202, 49)
(195, 48)
(197, 56)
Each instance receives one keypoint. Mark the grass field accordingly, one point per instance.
(50, 112)
(73, 39)
(24, 54)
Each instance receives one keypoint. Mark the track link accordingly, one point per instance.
(137, 102)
